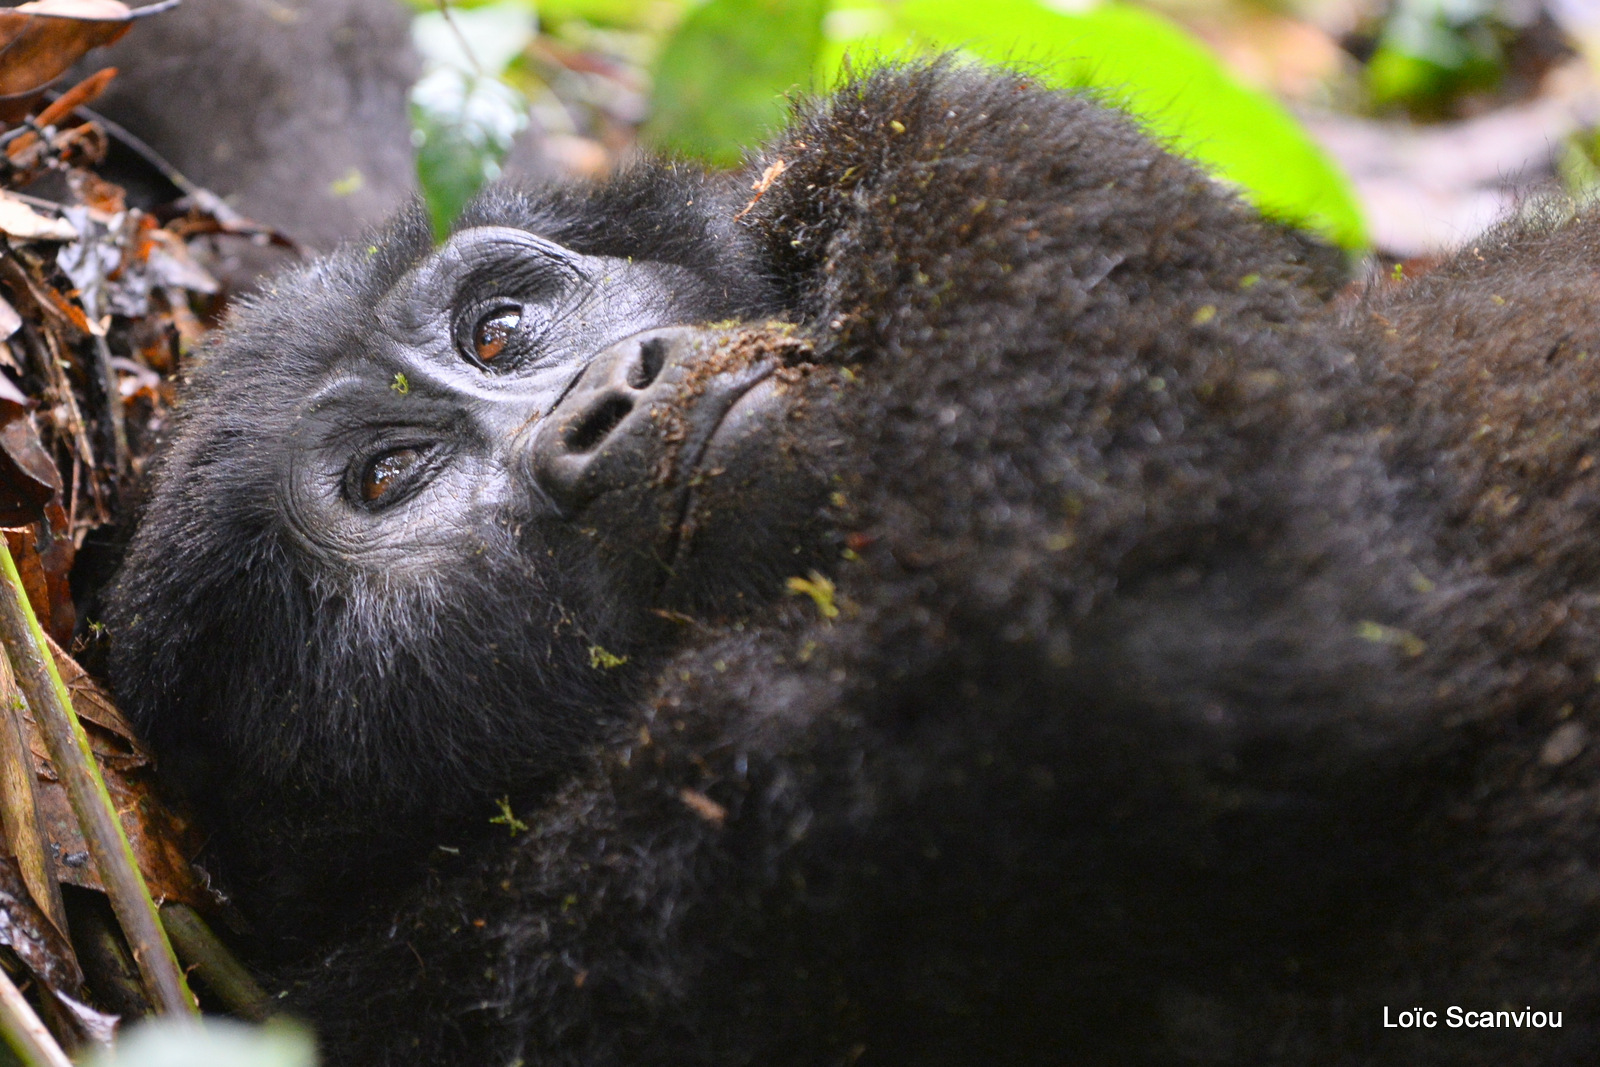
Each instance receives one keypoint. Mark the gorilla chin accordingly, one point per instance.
(688, 459)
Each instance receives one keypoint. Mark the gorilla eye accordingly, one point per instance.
(388, 471)
(493, 332)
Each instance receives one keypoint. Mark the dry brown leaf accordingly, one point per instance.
(56, 550)
(40, 41)
(72, 314)
(10, 394)
(164, 840)
(99, 195)
(43, 553)
(64, 105)
(43, 298)
(28, 476)
(94, 705)
(19, 220)
(10, 323)
(19, 805)
(80, 95)
(42, 948)
(48, 427)
(171, 264)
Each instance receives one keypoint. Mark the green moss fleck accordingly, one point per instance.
(601, 660)
(508, 818)
(819, 587)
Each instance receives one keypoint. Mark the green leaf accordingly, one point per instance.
(463, 117)
(720, 83)
(622, 13)
(1139, 60)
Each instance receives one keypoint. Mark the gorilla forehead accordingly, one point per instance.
(663, 212)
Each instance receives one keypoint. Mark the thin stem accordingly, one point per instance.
(121, 465)
(24, 1034)
(91, 802)
(461, 38)
(216, 967)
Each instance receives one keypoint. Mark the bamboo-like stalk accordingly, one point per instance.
(75, 764)
(24, 1034)
(210, 959)
(107, 964)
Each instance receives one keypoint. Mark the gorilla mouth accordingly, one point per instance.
(751, 405)
(676, 456)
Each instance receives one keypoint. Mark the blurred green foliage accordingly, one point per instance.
(1431, 51)
(721, 79)
(1578, 163)
(726, 68)
(464, 116)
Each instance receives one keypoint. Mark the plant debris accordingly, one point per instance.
(100, 303)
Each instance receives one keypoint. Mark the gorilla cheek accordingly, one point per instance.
(679, 457)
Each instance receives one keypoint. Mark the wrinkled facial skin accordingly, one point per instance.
(457, 515)
(512, 377)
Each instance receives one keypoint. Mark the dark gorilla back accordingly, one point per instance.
(1151, 707)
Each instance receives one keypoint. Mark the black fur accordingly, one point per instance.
(1214, 669)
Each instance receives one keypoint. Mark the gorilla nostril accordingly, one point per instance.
(597, 423)
(652, 356)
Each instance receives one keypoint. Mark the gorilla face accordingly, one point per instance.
(455, 508)
(501, 385)
(408, 442)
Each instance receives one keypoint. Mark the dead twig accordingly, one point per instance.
(75, 764)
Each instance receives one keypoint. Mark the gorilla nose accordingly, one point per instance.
(601, 434)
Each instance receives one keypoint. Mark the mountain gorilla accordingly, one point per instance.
(1028, 625)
